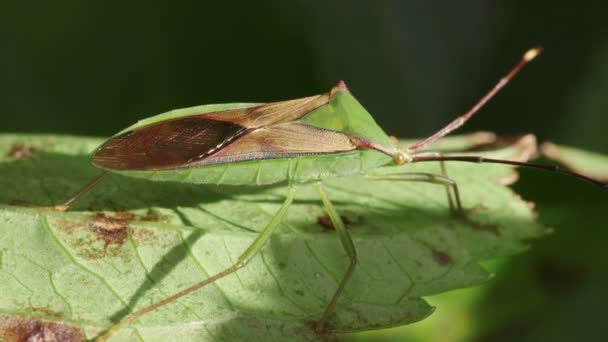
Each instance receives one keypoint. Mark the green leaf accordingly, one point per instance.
(79, 268)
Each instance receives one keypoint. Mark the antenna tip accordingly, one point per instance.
(532, 53)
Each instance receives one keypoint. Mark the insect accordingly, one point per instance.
(301, 141)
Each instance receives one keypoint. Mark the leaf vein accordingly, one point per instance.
(236, 274)
(318, 260)
(281, 290)
(403, 271)
(52, 283)
(204, 272)
(47, 227)
(151, 280)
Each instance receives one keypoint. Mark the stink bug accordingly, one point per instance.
(300, 141)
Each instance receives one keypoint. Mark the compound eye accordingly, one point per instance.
(399, 158)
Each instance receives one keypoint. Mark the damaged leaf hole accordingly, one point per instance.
(21, 151)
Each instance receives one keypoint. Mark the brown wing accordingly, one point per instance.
(282, 140)
(183, 141)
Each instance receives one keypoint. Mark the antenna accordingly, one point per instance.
(459, 121)
(478, 159)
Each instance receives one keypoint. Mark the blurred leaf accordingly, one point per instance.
(561, 282)
(66, 268)
(591, 164)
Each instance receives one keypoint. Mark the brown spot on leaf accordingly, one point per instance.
(16, 329)
(21, 151)
(84, 237)
(441, 258)
(325, 221)
(113, 230)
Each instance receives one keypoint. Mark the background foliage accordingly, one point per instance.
(96, 67)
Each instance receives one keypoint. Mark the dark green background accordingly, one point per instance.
(94, 67)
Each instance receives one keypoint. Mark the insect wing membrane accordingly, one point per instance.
(282, 140)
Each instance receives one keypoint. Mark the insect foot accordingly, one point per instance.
(320, 328)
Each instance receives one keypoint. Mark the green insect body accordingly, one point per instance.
(346, 114)
(342, 113)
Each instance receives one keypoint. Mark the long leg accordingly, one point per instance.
(448, 185)
(427, 178)
(242, 260)
(437, 179)
(349, 247)
(66, 205)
